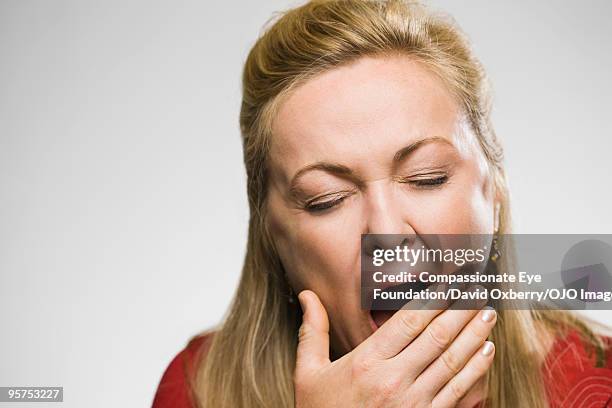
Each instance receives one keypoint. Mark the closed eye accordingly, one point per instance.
(425, 182)
(430, 181)
(318, 205)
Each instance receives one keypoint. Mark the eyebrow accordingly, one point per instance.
(405, 151)
(345, 172)
(333, 168)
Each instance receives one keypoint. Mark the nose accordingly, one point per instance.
(387, 221)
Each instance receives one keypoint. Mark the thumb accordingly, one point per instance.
(313, 342)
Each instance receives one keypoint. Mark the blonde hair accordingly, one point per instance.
(252, 356)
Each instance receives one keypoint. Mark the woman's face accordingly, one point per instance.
(377, 147)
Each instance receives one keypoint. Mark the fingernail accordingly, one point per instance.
(488, 348)
(301, 299)
(488, 314)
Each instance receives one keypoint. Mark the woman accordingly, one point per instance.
(372, 117)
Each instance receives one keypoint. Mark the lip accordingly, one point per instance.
(368, 285)
(387, 315)
(385, 304)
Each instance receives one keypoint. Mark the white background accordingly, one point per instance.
(123, 207)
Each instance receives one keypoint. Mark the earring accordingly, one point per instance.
(291, 299)
(495, 251)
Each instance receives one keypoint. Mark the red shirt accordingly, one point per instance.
(571, 378)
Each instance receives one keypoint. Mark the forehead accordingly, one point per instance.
(367, 109)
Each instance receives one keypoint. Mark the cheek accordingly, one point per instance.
(462, 207)
(323, 261)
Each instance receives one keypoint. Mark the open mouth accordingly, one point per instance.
(381, 311)
(383, 308)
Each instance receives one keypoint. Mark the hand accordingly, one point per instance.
(418, 358)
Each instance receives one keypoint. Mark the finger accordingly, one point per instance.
(437, 337)
(313, 341)
(466, 379)
(402, 328)
(453, 360)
